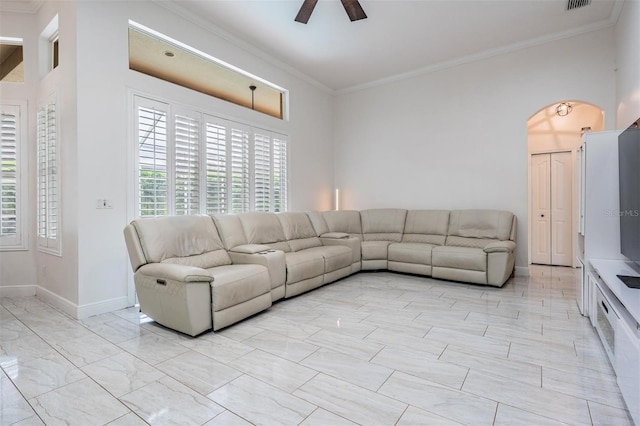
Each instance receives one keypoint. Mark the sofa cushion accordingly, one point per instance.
(318, 222)
(189, 240)
(383, 224)
(335, 257)
(426, 226)
(493, 224)
(467, 258)
(298, 231)
(234, 284)
(410, 253)
(230, 230)
(303, 265)
(374, 250)
(481, 243)
(264, 228)
(209, 259)
(347, 221)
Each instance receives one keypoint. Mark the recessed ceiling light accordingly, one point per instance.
(169, 54)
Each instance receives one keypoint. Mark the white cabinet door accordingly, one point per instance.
(552, 204)
(561, 209)
(541, 209)
(628, 368)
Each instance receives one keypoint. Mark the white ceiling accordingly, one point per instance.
(399, 36)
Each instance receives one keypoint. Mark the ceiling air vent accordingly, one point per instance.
(575, 4)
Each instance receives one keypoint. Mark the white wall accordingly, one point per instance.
(104, 123)
(457, 138)
(17, 268)
(627, 42)
(94, 86)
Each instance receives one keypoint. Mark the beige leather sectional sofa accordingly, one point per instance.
(195, 273)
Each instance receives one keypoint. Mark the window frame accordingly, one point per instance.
(19, 241)
(54, 46)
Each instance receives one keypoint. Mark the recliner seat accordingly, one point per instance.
(185, 279)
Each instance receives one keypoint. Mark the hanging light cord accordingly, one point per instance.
(253, 90)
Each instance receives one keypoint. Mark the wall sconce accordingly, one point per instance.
(564, 109)
(337, 199)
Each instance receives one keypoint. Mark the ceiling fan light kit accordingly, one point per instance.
(352, 7)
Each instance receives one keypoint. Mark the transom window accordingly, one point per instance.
(160, 56)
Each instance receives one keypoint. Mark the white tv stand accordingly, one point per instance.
(613, 308)
(615, 313)
(628, 297)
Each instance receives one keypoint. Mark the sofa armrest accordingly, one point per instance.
(335, 235)
(352, 243)
(175, 272)
(500, 247)
(274, 260)
(250, 248)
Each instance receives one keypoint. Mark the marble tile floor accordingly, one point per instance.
(372, 349)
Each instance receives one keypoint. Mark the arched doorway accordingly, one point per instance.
(554, 135)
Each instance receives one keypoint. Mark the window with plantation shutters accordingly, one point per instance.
(48, 181)
(262, 172)
(216, 168)
(12, 188)
(189, 162)
(152, 170)
(187, 165)
(239, 167)
(279, 183)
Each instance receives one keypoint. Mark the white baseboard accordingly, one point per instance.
(81, 311)
(97, 308)
(522, 271)
(17, 290)
(57, 301)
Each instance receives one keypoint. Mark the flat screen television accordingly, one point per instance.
(629, 175)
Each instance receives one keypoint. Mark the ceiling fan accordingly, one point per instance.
(352, 7)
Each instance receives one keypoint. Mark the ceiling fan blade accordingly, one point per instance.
(354, 10)
(305, 11)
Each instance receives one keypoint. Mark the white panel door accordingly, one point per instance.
(561, 209)
(541, 209)
(551, 209)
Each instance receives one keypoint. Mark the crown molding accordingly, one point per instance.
(597, 26)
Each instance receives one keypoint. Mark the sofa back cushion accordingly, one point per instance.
(264, 228)
(230, 230)
(426, 226)
(298, 231)
(318, 222)
(383, 224)
(188, 240)
(347, 221)
(492, 224)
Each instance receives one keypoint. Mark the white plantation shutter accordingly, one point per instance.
(216, 168)
(193, 163)
(239, 167)
(187, 165)
(262, 172)
(9, 176)
(48, 194)
(151, 131)
(280, 183)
